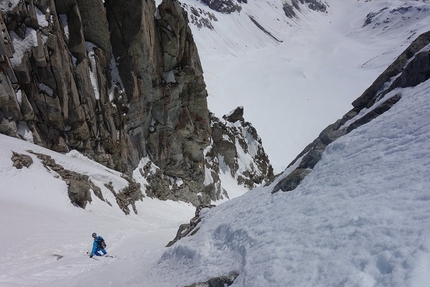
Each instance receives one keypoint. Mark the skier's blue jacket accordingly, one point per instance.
(97, 247)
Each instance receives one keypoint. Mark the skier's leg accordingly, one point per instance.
(104, 251)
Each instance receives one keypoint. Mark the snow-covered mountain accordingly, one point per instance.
(321, 62)
(360, 218)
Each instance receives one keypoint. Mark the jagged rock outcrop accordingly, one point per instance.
(225, 6)
(409, 69)
(236, 149)
(189, 229)
(127, 196)
(21, 160)
(199, 17)
(116, 80)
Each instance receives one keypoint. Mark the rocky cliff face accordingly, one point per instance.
(108, 79)
(116, 80)
(235, 151)
(411, 68)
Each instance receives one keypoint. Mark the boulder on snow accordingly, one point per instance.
(79, 192)
(21, 160)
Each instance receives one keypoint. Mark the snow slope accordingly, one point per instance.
(292, 90)
(39, 224)
(359, 219)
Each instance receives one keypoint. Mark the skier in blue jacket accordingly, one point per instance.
(97, 246)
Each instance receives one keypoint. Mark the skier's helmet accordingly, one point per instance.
(94, 235)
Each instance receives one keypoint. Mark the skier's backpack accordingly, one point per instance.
(102, 243)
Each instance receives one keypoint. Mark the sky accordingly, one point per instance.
(359, 219)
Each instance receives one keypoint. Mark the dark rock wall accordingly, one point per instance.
(117, 80)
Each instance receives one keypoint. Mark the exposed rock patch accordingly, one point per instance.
(189, 229)
(385, 18)
(128, 196)
(263, 29)
(237, 146)
(199, 17)
(21, 160)
(80, 186)
(291, 9)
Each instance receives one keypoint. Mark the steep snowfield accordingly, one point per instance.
(359, 219)
(292, 90)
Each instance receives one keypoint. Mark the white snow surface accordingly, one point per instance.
(41, 18)
(292, 90)
(361, 218)
(39, 222)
